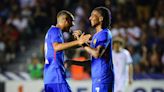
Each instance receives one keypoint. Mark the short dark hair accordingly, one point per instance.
(106, 14)
(66, 13)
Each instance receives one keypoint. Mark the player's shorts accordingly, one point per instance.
(57, 87)
(102, 88)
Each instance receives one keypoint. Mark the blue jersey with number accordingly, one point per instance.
(102, 68)
(54, 71)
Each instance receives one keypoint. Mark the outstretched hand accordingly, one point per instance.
(77, 34)
(83, 38)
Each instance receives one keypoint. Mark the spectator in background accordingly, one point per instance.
(122, 62)
(117, 30)
(134, 34)
(20, 22)
(155, 63)
(12, 36)
(40, 16)
(35, 68)
(2, 48)
(136, 56)
(162, 59)
(143, 62)
(27, 3)
(156, 20)
(143, 9)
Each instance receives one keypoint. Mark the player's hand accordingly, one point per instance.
(84, 38)
(77, 34)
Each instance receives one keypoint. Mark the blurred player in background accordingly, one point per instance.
(101, 51)
(54, 71)
(122, 62)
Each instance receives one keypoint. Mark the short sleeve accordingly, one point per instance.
(103, 39)
(54, 36)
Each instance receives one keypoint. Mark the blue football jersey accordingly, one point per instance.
(54, 71)
(102, 68)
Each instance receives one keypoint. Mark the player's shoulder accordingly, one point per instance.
(105, 33)
(125, 51)
(53, 30)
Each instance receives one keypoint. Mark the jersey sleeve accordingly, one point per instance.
(128, 57)
(103, 39)
(54, 36)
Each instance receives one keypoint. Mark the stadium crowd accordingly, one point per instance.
(139, 22)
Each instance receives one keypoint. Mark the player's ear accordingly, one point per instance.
(65, 19)
(101, 19)
(59, 19)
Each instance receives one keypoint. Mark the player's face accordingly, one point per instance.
(94, 18)
(69, 23)
(116, 46)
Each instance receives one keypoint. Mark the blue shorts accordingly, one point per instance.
(57, 87)
(102, 88)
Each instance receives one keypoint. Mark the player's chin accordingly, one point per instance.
(92, 24)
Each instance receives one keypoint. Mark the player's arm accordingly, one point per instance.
(95, 52)
(130, 73)
(130, 67)
(62, 46)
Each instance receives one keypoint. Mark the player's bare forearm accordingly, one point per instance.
(92, 51)
(130, 72)
(95, 52)
(63, 46)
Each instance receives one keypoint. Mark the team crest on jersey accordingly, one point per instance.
(94, 41)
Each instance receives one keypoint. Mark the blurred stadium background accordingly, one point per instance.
(23, 24)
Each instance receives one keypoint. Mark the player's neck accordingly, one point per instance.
(98, 28)
(60, 26)
(118, 50)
